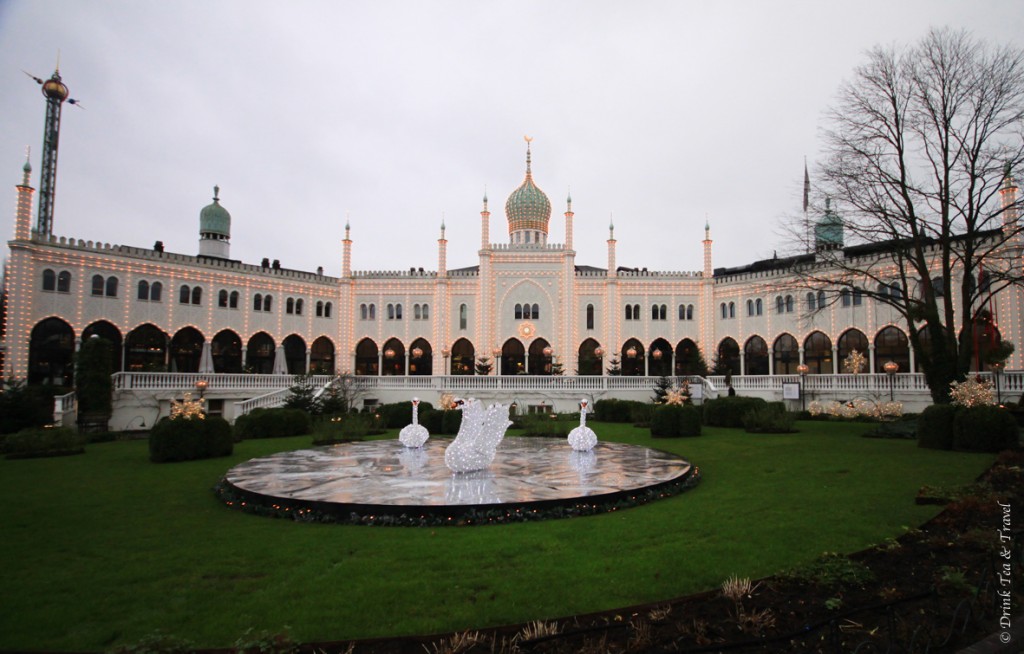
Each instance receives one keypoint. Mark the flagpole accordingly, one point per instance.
(807, 197)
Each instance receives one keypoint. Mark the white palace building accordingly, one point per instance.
(527, 306)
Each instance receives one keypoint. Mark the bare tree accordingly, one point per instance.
(918, 146)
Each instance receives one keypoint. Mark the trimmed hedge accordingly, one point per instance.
(441, 423)
(43, 441)
(729, 411)
(672, 420)
(771, 418)
(935, 427)
(399, 414)
(620, 410)
(273, 423)
(543, 424)
(984, 429)
(188, 440)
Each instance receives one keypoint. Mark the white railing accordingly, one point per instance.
(1011, 384)
(186, 381)
(63, 406)
(269, 400)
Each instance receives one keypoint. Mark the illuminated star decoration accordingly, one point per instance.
(971, 392)
(855, 362)
(675, 396)
(187, 409)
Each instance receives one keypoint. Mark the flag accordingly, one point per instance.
(807, 186)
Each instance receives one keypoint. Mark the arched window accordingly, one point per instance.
(111, 286)
(289, 306)
(319, 308)
(257, 302)
(536, 311)
(197, 295)
(750, 307)
(391, 312)
(725, 311)
(689, 312)
(267, 299)
(654, 312)
(155, 290)
(49, 280)
(789, 304)
(97, 284)
(629, 312)
(755, 359)
(373, 312)
(786, 355)
(780, 304)
(519, 312)
(426, 312)
(811, 304)
(233, 300)
(590, 316)
(143, 293)
(662, 312)
(821, 299)
(732, 309)
(63, 282)
(463, 316)
(682, 312)
(818, 354)
(416, 315)
(222, 299)
(363, 315)
(184, 294)
(938, 286)
(398, 312)
(858, 297)
(636, 312)
(327, 310)
(298, 307)
(758, 306)
(844, 297)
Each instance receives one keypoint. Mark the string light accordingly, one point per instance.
(479, 434)
(582, 438)
(414, 434)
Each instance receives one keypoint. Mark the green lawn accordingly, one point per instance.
(106, 548)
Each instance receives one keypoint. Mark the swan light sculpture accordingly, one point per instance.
(479, 434)
(415, 434)
(582, 438)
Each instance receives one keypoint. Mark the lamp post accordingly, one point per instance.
(201, 386)
(802, 370)
(890, 369)
(997, 371)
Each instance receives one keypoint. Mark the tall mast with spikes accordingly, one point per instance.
(55, 92)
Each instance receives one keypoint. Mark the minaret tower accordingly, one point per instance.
(568, 222)
(23, 217)
(346, 252)
(55, 93)
(1008, 193)
(442, 253)
(611, 249)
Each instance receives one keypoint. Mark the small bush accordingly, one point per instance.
(935, 427)
(272, 423)
(399, 414)
(641, 413)
(770, 418)
(671, 420)
(984, 429)
(188, 440)
(349, 427)
(43, 441)
(729, 411)
(450, 422)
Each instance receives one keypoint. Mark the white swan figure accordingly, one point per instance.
(479, 434)
(415, 434)
(582, 438)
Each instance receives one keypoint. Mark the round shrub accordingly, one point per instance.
(689, 421)
(399, 414)
(769, 418)
(613, 411)
(272, 423)
(729, 411)
(450, 422)
(935, 427)
(188, 440)
(984, 429)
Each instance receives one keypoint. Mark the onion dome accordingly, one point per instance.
(214, 220)
(828, 232)
(528, 208)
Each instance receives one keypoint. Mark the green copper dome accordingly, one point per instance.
(528, 207)
(215, 219)
(828, 233)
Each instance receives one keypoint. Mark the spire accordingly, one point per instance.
(611, 227)
(216, 193)
(485, 197)
(442, 224)
(528, 140)
(568, 201)
(27, 168)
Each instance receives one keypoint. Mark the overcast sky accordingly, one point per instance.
(396, 114)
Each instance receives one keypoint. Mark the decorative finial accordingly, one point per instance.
(568, 197)
(57, 69)
(485, 195)
(528, 139)
(442, 222)
(347, 221)
(216, 193)
(28, 155)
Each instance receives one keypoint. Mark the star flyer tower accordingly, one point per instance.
(55, 92)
